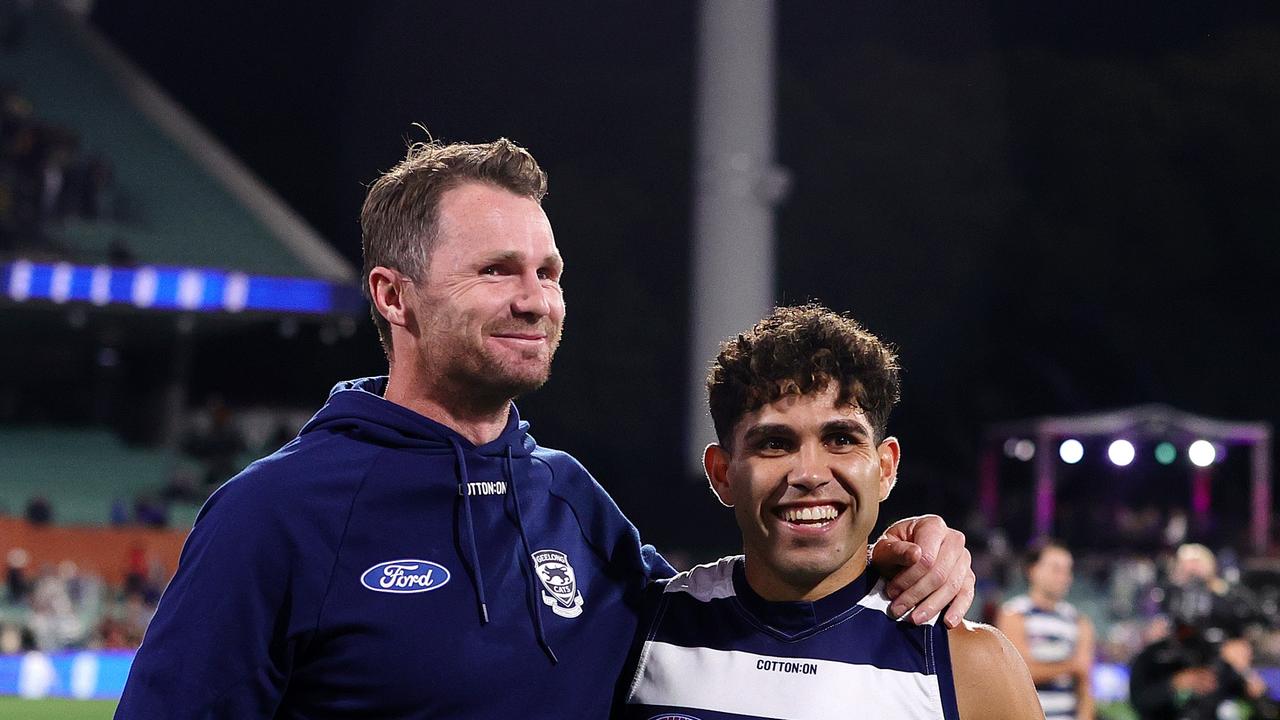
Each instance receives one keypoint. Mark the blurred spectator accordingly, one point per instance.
(16, 581)
(119, 254)
(183, 486)
(14, 639)
(1175, 531)
(39, 511)
(54, 621)
(119, 512)
(113, 634)
(135, 575)
(44, 178)
(137, 614)
(218, 444)
(149, 511)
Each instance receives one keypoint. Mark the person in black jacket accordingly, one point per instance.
(1203, 668)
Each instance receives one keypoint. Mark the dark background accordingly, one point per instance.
(1049, 209)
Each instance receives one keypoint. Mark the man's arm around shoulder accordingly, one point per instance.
(992, 682)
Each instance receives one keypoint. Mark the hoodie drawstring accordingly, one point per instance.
(464, 489)
(528, 554)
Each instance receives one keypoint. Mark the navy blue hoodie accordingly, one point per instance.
(380, 565)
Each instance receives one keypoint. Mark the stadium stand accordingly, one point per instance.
(121, 220)
(81, 473)
(165, 169)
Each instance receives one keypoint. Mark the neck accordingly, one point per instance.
(774, 587)
(1041, 599)
(479, 420)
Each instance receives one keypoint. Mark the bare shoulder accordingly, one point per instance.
(983, 644)
(990, 677)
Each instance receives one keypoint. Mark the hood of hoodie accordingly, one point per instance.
(357, 408)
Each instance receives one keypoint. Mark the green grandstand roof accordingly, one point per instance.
(192, 203)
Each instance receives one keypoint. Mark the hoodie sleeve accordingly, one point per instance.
(656, 567)
(610, 532)
(228, 627)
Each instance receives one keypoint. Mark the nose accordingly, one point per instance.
(531, 297)
(810, 472)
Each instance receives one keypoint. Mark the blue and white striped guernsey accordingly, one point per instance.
(714, 649)
(1052, 636)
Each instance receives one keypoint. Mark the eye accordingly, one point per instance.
(492, 270)
(842, 441)
(546, 274)
(774, 446)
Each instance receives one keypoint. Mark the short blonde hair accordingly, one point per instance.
(398, 219)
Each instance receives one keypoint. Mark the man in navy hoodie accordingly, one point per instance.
(413, 553)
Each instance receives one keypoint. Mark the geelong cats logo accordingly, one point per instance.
(560, 587)
(405, 576)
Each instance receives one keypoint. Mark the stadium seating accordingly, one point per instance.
(80, 472)
(159, 187)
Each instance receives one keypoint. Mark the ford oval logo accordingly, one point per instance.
(405, 576)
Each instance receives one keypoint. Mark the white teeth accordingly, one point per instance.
(820, 513)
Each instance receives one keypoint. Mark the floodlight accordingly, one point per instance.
(1121, 452)
(1071, 451)
(1202, 453)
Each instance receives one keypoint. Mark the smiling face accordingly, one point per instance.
(489, 310)
(805, 478)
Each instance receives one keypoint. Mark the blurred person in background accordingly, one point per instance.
(17, 584)
(1196, 564)
(1054, 639)
(798, 625)
(54, 621)
(413, 553)
(216, 441)
(1202, 669)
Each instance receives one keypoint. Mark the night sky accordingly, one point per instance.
(1048, 210)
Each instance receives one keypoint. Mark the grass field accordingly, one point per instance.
(12, 708)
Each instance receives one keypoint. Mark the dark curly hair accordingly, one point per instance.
(800, 350)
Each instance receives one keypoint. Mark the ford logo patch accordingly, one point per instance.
(405, 576)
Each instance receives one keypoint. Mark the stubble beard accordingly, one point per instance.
(488, 380)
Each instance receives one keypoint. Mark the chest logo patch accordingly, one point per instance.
(405, 576)
(559, 584)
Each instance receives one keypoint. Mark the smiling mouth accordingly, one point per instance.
(809, 515)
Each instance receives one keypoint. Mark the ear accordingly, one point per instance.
(387, 291)
(715, 460)
(889, 453)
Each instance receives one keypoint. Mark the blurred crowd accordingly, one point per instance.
(53, 608)
(216, 442)
(45, 180)
(1127, 590)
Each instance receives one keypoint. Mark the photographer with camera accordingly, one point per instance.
(1203, 669)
